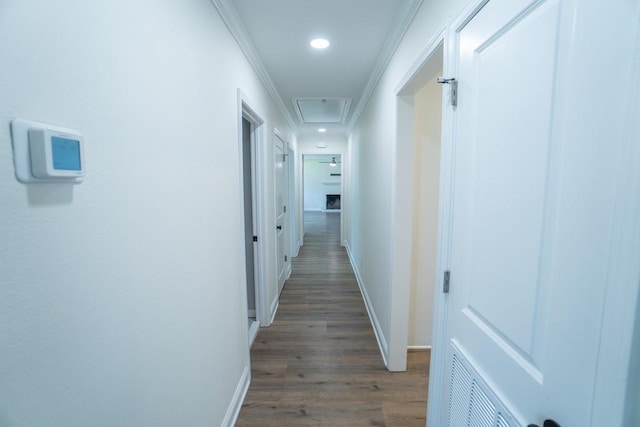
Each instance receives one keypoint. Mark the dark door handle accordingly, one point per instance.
(279, 227)
(547, 423)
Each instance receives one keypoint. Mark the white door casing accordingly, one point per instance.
(246, 110)
(533, 216)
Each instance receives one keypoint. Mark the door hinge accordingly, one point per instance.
(285, 258)
(255, 238)
(445, 283)
(453, 89)
(285, 209)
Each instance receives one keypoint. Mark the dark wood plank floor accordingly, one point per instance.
(319, 363)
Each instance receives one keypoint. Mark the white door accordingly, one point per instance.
(533, 199)
(282, 193)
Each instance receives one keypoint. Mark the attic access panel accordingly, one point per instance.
(322, 110)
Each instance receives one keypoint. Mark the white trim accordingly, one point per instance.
(403, 20)
(253, 331)
(425, 56)
(402, 184)
(233, 410)
(246, 110)
(467, 14)
(437, 374)
(613, 394)
(229, 15)
(418, 347)
(402, 194)
(274, 309)
(377, 329)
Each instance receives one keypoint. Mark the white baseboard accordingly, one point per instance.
(253, 331)
(274, 309)
(233, 410)
(377, 329)
(418, 347)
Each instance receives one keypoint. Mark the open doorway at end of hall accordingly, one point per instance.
(322, 186)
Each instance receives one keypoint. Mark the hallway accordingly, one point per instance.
(319, 363)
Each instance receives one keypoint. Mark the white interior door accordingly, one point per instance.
(282, 193)
(531, 225)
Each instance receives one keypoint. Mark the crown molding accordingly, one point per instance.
(232, 20)
(396, 33)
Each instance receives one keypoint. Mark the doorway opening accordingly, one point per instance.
(418, 201)
(322, 187)
(250, 255)
(251, 137)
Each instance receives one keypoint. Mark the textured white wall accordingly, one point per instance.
(122, 299)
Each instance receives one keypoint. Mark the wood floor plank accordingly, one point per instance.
(319, 363)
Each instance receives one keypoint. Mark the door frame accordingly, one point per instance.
(248, 112)
(344, 198)
(412, 81)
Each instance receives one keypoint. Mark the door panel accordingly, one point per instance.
(281, 210)
(515, 169)
(503, 241)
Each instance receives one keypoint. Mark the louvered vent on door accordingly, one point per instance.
(471, 403)
(502, 422)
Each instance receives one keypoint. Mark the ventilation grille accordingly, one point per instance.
(471, 403)
(502, 422)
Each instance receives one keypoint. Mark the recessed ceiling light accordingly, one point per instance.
(319, 43)
(322, 130)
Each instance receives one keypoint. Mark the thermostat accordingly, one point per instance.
(47, 153)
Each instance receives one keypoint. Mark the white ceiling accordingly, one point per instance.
(275, 35)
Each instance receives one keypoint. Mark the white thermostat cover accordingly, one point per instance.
(21, 155)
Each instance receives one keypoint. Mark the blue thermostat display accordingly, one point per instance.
(56, 156)
(44, 152)
(65, 154)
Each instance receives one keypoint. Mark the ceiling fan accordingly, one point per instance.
(332, 162)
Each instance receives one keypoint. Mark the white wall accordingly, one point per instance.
(318, 181)
(373, 147)
(426, 176)
(122, 299)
